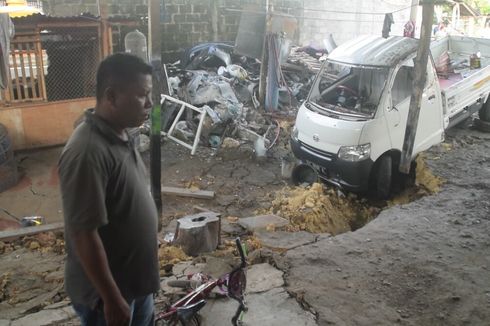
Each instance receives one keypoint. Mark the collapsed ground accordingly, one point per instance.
(424, 263)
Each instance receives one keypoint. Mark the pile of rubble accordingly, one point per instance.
(225, 87)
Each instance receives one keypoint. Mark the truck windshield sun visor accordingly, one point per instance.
(348, 90)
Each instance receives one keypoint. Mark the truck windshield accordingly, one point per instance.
(349, 90)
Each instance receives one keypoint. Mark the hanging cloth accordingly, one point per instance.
(387, 25)
(6, 33)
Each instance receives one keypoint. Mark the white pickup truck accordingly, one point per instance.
(351, 127)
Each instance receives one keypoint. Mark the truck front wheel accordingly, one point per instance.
(485, 111)
(384, 174)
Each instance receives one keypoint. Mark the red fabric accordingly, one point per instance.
(409, 29)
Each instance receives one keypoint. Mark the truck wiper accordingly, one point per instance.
(335, 113)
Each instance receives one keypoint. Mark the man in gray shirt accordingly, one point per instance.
(111, 269)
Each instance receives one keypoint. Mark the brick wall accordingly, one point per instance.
(188, 22)
(185, 22)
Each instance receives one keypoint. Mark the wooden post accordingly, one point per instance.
(265, 58)
(413, 11)
(106, 47)
(418, 85)
(155, 54)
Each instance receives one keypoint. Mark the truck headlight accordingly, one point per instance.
(294, 134)
(355, 153)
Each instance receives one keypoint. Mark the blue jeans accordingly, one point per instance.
(142, 313)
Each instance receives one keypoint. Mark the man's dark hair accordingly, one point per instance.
(119, 70)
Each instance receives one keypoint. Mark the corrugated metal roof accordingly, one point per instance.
(375, 50)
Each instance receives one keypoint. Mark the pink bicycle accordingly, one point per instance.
(184, 311)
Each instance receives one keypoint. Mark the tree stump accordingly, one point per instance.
(198, 233)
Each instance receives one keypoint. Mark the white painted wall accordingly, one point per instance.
(329, 16)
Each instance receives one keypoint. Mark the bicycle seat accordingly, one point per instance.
(186, 313)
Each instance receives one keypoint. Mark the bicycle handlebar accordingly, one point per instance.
(240, 250)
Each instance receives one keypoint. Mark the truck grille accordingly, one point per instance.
(319, 153)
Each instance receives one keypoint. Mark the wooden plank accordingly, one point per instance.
(35, 90)
(30, 230)
(25, 85)
(16, 72)
(418, 86)
(184, 192)
(40, 67)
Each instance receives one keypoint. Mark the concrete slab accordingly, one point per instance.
(261, 222)
(281, 240)
(230, 228)
(217, 266)
(271, 308)
(4, 322)
(179, 269)
(46, 317)
(263, 277)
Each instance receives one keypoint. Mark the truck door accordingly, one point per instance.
(429, 128)
(398, 103)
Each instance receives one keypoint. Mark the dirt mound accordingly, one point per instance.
(320, 210)
(171, 255)
(426, 183)
(42, 242)
(425, 178)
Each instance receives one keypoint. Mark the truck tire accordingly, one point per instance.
(484, 112)
(482, 125)
(384, 177)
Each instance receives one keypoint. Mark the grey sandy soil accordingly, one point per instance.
(424, 263)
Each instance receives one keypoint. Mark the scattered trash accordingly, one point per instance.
(259, 146)
(214, 141)
(214, 79)
(230, 143)
(183, 132)
(144, 143)
(288, 163)
(32, 221)
(169, 237)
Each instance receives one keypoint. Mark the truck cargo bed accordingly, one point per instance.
(462, 85)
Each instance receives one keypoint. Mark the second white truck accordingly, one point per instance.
(351, 127)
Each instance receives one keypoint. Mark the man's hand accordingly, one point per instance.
(92, 256)
(117, 312)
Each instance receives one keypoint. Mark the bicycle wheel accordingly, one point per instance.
(195, 321)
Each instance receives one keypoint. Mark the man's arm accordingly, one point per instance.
(90, 251)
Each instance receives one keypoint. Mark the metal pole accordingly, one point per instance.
(418, 85)
(155, 53)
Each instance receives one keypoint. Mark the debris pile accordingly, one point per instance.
(224, 87)
(425, 178)
(320, 210)
(426, 183)
(42, 242)
(170, 255)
